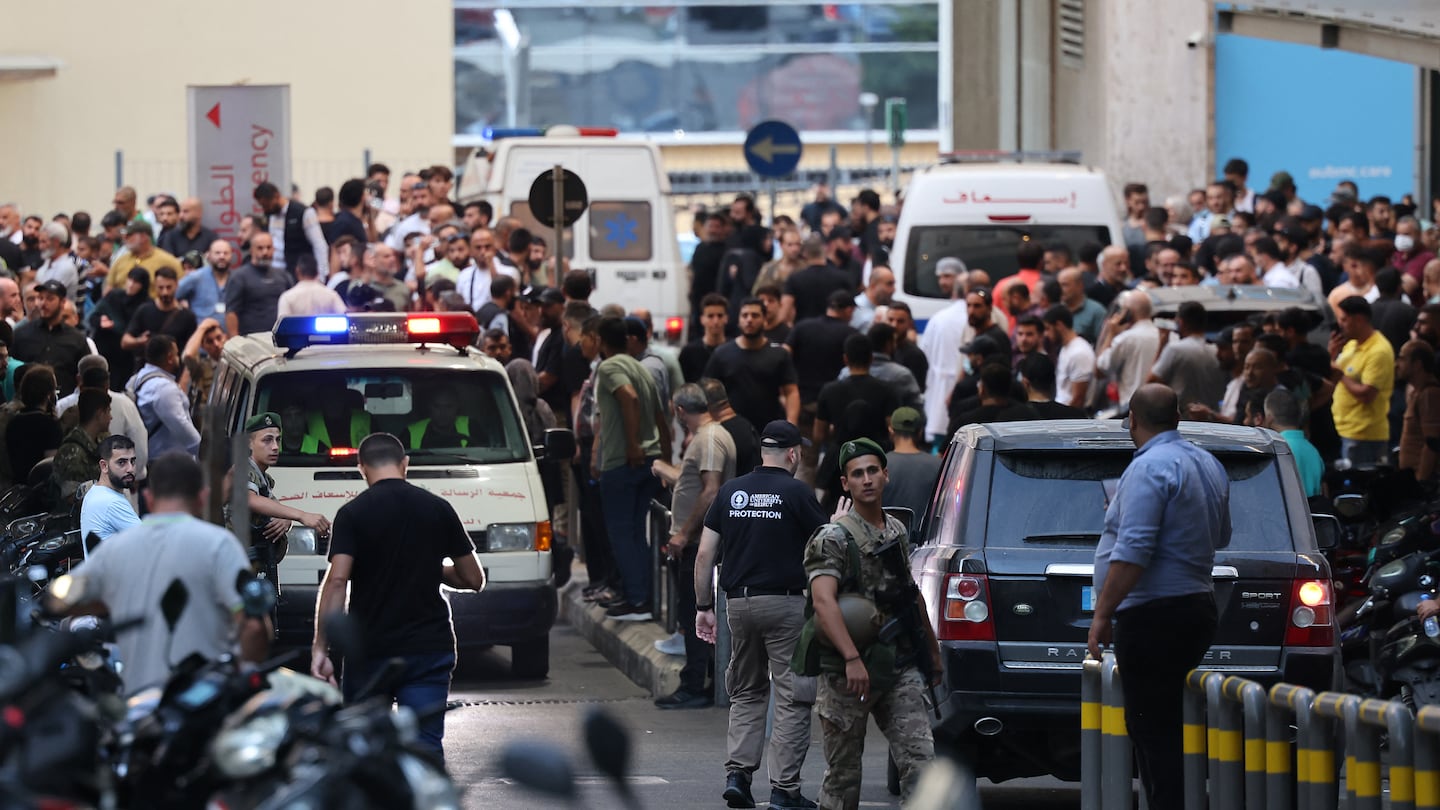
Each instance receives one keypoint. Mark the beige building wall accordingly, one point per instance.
(122, 71)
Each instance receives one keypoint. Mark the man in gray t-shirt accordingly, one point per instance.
(135, 572)
(1188, 364)
(252, 295)
(912, 471)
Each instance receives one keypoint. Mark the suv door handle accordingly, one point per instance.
(1088, 570)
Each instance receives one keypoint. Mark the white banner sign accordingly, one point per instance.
(239, 138)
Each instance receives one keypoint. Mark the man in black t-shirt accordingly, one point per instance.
(808, 290)
(388, 546)
(817, 345)
(161, 316)
(857, 407)
(758, 375)
(714, 316)
(550, 361)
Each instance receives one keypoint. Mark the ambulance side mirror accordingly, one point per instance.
(558, 445)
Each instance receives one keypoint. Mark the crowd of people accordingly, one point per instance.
(795, 322)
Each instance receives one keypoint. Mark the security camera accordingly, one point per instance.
(1195, 40)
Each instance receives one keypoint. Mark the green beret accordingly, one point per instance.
(858, 448)
(262, 421)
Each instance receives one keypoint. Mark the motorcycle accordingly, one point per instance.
(295, 745)
(1385, 650)
(164, 739)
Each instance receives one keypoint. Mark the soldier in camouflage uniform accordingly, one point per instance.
(77, 461)
(270, 520)
(880, 680)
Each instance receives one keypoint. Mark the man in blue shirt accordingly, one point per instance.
(1282, 415)
(1153, 567)
(204, 290)
(106, 510)
(163, 406)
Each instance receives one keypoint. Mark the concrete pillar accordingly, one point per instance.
(975, 99)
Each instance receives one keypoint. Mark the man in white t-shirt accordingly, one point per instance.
(106, 510)
(1075, 362)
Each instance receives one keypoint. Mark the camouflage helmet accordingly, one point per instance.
(862, 620)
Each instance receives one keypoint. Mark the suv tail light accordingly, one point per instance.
(1312, 615)
(965, 609)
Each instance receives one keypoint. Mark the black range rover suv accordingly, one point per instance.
(1004, 559)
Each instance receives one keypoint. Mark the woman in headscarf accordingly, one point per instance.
(111, 317)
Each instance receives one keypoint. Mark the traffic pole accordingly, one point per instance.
(559, 179)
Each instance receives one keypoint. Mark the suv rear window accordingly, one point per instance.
(991, 247)
(1077, 487)
(322, 410)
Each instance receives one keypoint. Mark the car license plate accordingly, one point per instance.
(1087, 598)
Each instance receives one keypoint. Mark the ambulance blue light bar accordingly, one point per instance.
(457, 329)
(496, 133)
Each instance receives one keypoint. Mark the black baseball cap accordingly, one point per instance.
(781, 434)
(983, 345)
(52, 286)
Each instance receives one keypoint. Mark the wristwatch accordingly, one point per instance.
(704, 608)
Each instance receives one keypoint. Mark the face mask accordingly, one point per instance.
(1404, 243)
(965, 365)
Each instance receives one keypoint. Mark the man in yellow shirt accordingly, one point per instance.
(141, 253)
(1364, 375)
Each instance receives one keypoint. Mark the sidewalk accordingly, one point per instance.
(629, 646)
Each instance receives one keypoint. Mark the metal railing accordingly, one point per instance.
(1248, 747)
(663, 594)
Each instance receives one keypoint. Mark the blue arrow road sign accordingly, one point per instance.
(772, 148)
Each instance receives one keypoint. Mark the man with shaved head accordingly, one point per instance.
(1088, 315)
(188, 234)
(1153, 563)
(1128, 346)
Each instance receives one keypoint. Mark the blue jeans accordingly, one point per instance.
(627, 492)
(1364, 453)
(424, 685)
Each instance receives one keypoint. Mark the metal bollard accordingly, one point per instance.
(1226, 738)
(1427, 759)
(1395, 719)
(1279, 783)
(1194, 746)
(1117, 789)
(1249, 698)
(1361, 782)
(1091, 739)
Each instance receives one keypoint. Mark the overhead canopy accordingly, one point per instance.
(1401, 30)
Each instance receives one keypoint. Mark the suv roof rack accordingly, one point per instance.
(1002, 156)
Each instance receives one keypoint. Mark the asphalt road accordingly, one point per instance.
(677, 756)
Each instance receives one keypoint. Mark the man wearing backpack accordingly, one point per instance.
(162, 404)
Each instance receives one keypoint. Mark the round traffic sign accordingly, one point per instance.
(542, 198)
(772, 149)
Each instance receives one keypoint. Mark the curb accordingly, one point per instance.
(629, 646)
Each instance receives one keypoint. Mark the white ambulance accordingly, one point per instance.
(979, 207)
(334, 379)
(625, 238)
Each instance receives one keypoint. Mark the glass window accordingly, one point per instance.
(442, 417)
(696, 67)
(620, 231)
(988, 247)
(1084, 483)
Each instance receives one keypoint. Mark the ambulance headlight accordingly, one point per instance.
(302, 540)
(510, 537)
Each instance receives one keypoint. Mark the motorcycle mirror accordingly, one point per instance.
(539, 766)
(173, 602)
(257, 597)
(609, 746)
(344, 636)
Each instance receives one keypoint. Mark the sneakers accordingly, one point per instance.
(682, 699)
(737, 790)
(625, 612)
(674, 645)
(781, 799)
